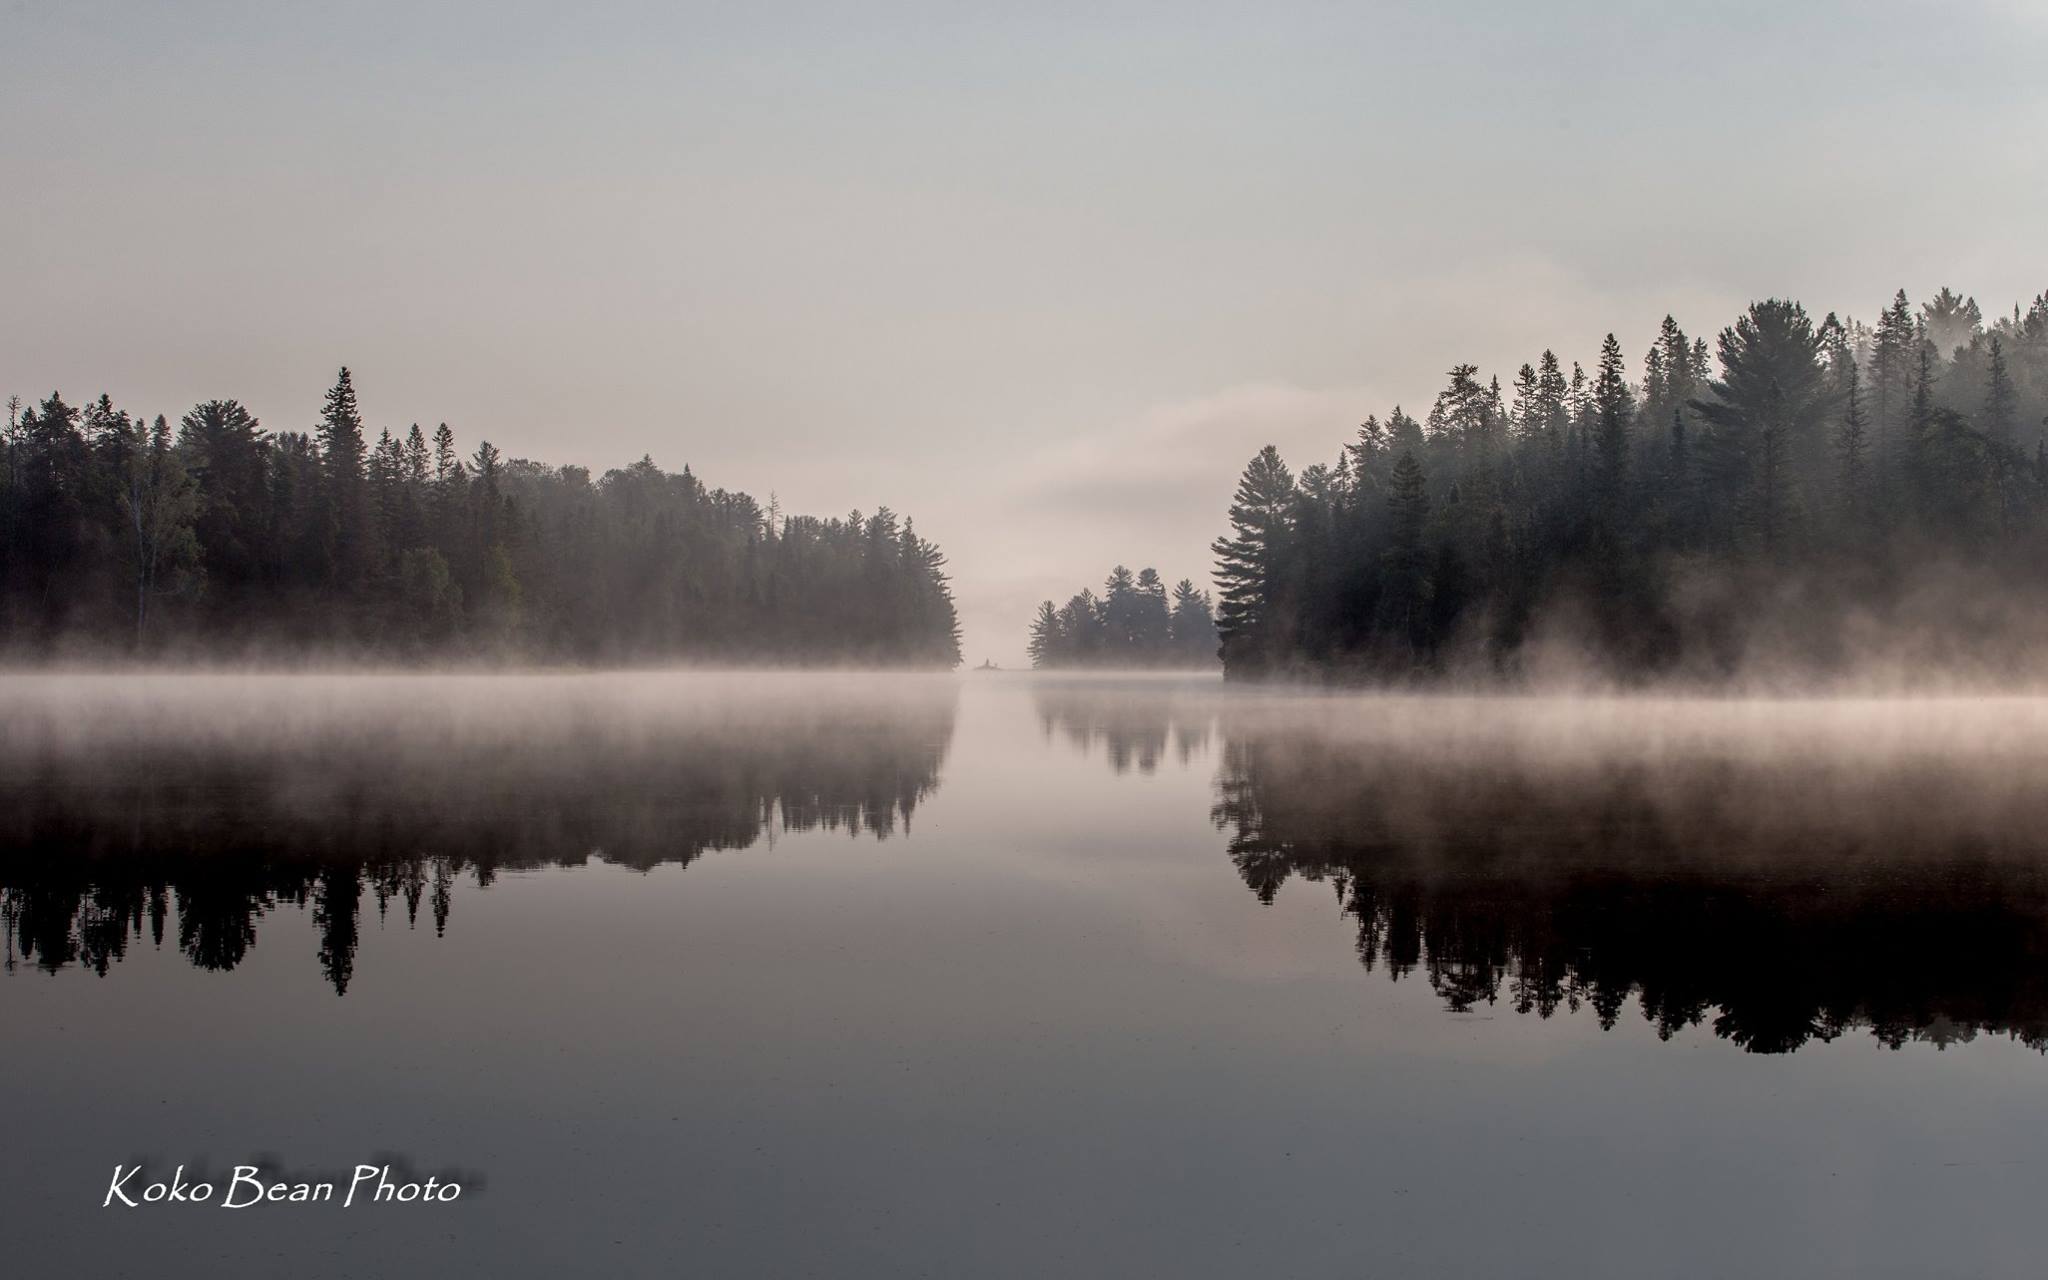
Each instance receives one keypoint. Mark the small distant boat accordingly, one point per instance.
(988, 665)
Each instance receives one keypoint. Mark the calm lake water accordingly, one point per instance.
(1014, 976)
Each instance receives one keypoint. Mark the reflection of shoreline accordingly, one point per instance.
(126, 810)
(1780, 872)
(1134, 733)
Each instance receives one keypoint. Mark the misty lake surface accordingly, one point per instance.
(1011, 975)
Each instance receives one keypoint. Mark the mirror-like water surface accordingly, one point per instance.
(999, 975)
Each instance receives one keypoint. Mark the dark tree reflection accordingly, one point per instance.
(1134, 732)
(1781, 873)
(116, 819)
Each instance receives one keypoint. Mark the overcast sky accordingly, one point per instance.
(1040, 276)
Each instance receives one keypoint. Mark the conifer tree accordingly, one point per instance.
(160, 501)
(2001, 401)
(228, 455)
(1612, 406)
(1045, 636)
(418, 463)
(1681, 376)
(1681, 483)
(1949, 320)
(1552, 392)
(1526, 409)
(1891, 365)
(1193, 625)
(1407, 598)
(1120, 614)
(1851, 445)
(1250, 564)
(1920, 420)
(447, 464)
(1153, 619)
(346, 531)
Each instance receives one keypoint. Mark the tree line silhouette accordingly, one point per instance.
(117, 827)
(1756, 497)
(1132, 624)
(218, 535)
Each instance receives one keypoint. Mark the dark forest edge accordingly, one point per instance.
(219, 540)
(1132, 624)
(1841, 500)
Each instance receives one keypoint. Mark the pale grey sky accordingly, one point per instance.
(1041, 276)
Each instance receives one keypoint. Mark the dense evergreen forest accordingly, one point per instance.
(219, 538)
(1801, 498)
(1132, 624)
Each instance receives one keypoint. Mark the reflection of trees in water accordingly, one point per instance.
(109, 832)
(1781, 872)
(1780, 901)
(1135, 732)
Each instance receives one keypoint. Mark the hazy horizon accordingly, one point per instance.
(1040, 283)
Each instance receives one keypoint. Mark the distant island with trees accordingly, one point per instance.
(1810, 498)
(220, 539)
(1132, 624)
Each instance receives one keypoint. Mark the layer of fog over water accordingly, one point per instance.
(1003, 975)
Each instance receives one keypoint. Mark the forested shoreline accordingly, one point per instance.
(1132, 624)
(216, 538)
(1808, 499)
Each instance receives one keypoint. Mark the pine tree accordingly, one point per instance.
(1154, 622)
(450, 484)
(345, 500)
(1526, 410)
(1654, 389)
(1851, 445)
(1920, 422)
(447, 466)
(1081, 629)
(418, 463)
(1891, 363)
(1579, 430)
(1250, 564)
(1403, 432)
(1612, 406)
(1405, 601)
(1119, 613)
(1680, 384)
(415, 479)
(1365, 456)
(1681, 377)
(2001, 401)
(1681, 483)
(1045, 647)
(386, 474)
(1552, 392)
(1193, 625)
(491, 581)
(160, 500)
(1463, 412)
(1768, 417)
(1834, 349)
(1949, 320)
(228, 456)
